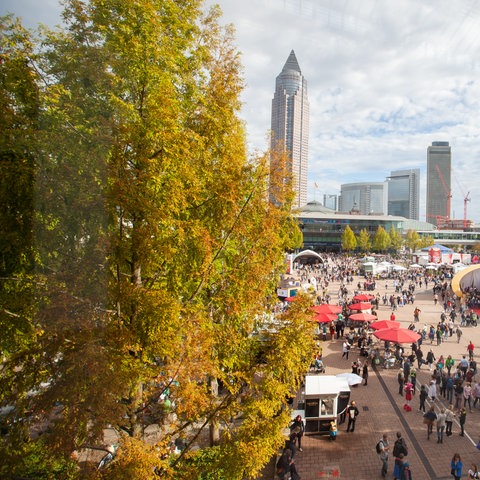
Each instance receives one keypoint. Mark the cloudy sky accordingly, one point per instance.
(385, 80)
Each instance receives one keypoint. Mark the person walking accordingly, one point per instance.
(345, 349)
(467, 396)
(459, 334)
(462, 419)
(401, 381)
(399, 447)
(428, 420)
(450, 416)
(430, 359)
(352, 412)
(432, 390)
(450, 388)
(286, 465)
(476, 394)
(441, 422)
(365, 373)
(383, 454)
(473, 472)
(419, 354)
(405, 472)
(470, 349)
(456, 466)
(423, 396)
(449, 363)
(458, 394)
(298, 428)
(401, 469)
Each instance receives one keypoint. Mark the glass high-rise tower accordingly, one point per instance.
(404, 193)
(290, 124)
(439, 181)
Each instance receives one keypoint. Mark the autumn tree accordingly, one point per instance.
(157, 248)
(349, 242)
(395, 238)
(412, 240)
(381, 242)
(20, 285)
(363, 240)
(476, 247)
(426, 241)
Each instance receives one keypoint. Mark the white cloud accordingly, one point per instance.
(385, 80)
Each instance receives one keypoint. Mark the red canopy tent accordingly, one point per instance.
(362, 317)
(360, 306)
(382, 324)
(397, 335)
(327, 308)
(363, 297)
(325, 317)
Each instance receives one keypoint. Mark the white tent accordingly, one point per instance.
(308, 253)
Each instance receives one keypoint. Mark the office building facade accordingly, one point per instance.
(404, 193)
(439, 182)
(365, 198)
(290, 124)
(330, 201)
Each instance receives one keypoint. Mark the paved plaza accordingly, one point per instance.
(352, 455)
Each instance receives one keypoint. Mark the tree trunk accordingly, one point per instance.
(214, 430)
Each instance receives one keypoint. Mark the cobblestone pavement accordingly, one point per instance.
(352, 456)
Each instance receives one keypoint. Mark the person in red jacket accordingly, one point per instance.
(470, 349)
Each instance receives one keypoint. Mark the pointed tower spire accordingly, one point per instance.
(290, 120)
(292, 63)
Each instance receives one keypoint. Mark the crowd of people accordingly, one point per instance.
(452, 390)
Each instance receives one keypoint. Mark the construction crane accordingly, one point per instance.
(466, 199)
(447, 192)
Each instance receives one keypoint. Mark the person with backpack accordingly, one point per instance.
(382, 451)
(399, 452)
(400, 446)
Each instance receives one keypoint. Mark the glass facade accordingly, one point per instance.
(290, 123)
(439, 179)
(367, 198)
(403, 193)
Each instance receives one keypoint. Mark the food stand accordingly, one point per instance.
(325, 397)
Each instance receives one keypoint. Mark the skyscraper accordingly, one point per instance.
(404, 193)
(367, 197)
(439, 181)
(290, 121)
